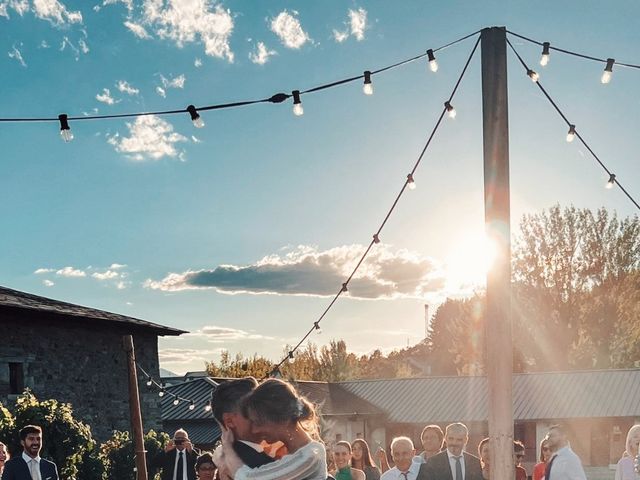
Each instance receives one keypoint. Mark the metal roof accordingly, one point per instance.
(14, 299)
(536, 396)
(201, 432)
(197, 390)
(333, 399)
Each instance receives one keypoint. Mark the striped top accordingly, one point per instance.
(306, 463)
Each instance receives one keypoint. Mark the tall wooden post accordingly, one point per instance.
(134, 408)
(499, 350)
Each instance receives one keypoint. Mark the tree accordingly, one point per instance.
(239, 366)
(118, 454)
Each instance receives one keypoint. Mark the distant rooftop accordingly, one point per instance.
(16, 300)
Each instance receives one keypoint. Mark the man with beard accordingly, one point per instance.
(564, 463)
(453, 463)
(29, 465)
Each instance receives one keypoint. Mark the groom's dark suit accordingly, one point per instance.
(250, 456)
(438, 468)
(17, 469)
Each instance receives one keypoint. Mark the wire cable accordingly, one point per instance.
(344, 287)
(612, 177)
(569, 52)
(176, 398)
(277, 98)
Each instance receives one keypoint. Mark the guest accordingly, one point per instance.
(564, 464)
(518, 455)
(278, 413)
(178, 459)
(382, 458)
(4, 456)
(342, 455)
(541, 466)
(361, 459)
(485, 457)
(30, 465)
(625, 468)
(431, 439)
(402, 453)
(453, 463)
(205, 468)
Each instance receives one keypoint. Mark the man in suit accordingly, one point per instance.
(29, 465)
(178, 460)
(226, 410)
(453, 463)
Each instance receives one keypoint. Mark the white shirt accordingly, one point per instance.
(395, 474)
(184, 464)
(566, 466)
(452, 464)
(29, 459)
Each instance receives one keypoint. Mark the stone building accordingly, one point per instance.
(75, 354)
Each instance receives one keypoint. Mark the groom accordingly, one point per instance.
(29, 465)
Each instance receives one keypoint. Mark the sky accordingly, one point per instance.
(240, 232)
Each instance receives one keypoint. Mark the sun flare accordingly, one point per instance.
(468, 261)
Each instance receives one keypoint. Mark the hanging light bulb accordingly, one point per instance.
(207, 407)
(608, 71)
(450, 110)
(297, 103)
(544, 60)
(192, 405)
(376, 238)
(433, 64)
(195, 117)
(161, 392)
(410, 182)
(612, 181)
(65, 129)
(176, 401)
(290, 355)
(344, 287)
(571, 134)
(533, 75)
(316, 325)
(149, 382)
(368, 86)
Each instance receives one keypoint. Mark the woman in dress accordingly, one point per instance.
(545, 455)
(625, 468)
(342, 455)
(361, 459)
(278, 414)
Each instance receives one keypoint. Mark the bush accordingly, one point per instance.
(118, 455)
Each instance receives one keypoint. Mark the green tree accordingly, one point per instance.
(118, 454)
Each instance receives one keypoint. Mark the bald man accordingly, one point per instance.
(402, 453)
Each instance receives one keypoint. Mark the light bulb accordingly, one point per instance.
(65, 130)
(161, 393)
(367, 88)
(450, 110)
(66, 135)
(195, 117)
(297, 103)
(533, 76)
(198, 122)
(611, 182)
(544, 60)
(176, 401)
(410, 182)
(608, 71)
(192, 405)
(149, 382)
(207, 407)
(571, 134)
(316, 325)
(433, 64)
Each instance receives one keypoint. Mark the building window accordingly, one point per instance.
(16, 378)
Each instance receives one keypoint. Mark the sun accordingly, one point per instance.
(468, 261)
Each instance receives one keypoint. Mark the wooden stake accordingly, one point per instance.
(134, 407)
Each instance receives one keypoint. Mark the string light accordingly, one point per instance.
(161, 392)
(195, 117)
(176, 401)
(450, 110)
(411, 182)
(344, 288)
(611, 182)
(433, 64)
(533, 75)
(65, 129)
(376, 238)
(316, 327)
(208, 407)
(297, 103)
(544, 60)
(290, 354)
(149, 382)
(571, 134)
(608, 71)
(367, 88)
(192, 405)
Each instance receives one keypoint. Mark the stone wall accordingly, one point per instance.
(82, 363)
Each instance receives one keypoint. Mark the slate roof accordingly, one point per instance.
(14, 299)
(536, 396)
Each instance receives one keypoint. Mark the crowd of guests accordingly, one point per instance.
(271, 432)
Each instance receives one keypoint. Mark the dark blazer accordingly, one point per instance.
(17, 469)
(167, 460)
(250, 456)
(437, 468)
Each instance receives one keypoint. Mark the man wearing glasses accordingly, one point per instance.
(518, 456)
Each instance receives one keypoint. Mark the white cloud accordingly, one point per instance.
(161, 91)
(126, 3)
(105, 97)
(214, 334)
(55, 12)
(176, 82)
(117, 266)
(189, 21)
(19, 6)
(197, 63)
(17, 55)
(186, 355)
(151, 138)
(107, 275)
(71, 272)
(358, 23)
(307, 271)
(339, 36)
(48, 283)
(262, 54)
(83, 46)
(42, 271)
(195, 139)
(137, 29)
(66, 42)
(44, 44)
(287, 27)
(125, 87)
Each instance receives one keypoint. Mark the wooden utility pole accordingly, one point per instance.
(499, 342)
(134, 408)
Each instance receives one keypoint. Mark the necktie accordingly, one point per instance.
(33, 469)
(458, 469)
(547, 471)
(180, 468)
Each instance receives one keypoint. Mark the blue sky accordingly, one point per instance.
(266, 212)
